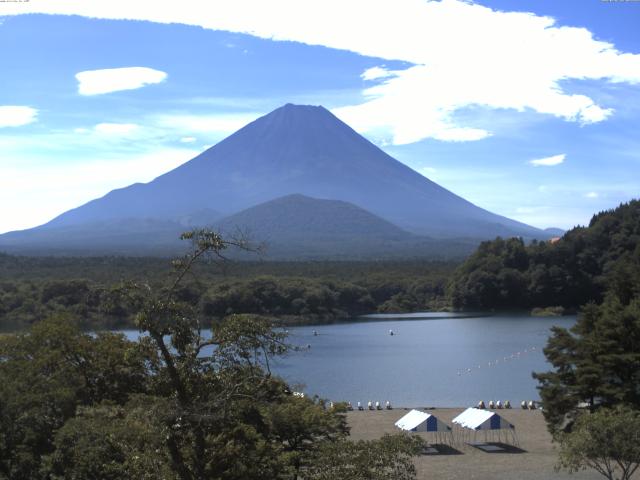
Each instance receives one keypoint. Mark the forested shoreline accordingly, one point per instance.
(90, 289)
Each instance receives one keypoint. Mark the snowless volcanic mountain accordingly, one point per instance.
(303, 150)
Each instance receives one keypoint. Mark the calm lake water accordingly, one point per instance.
(431, 360)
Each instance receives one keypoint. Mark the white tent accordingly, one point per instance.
(476, 419)
(417, 421)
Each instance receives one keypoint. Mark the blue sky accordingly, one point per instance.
(531, 115)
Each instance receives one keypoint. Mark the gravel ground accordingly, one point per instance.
(534, 459)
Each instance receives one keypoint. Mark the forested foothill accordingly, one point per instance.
(580, 267)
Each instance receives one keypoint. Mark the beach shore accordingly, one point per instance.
(535, 459)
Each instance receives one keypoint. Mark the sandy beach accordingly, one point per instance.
(534, 459)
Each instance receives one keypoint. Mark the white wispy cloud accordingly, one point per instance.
(118, 129)
(592, 195)
(16, 115)
(188, 139)
(548, 161)
(375, 73)
(463, 54)
(97, 82)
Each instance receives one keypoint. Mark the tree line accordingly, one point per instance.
(293, 299)
(581, 267)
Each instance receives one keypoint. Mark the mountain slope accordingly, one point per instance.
(307, 150)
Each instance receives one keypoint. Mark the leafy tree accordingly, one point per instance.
(596, 361)
(110, 442)
(45, 375)
(299, 423)
(223, 415)
(607, 441)
(389, 458)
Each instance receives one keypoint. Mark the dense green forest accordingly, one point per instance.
(32, 288)
(581, 267)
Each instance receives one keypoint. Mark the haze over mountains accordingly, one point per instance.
(297, 178)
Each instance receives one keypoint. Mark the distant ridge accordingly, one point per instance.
(293, 150)
(301, 227)
(300, 218)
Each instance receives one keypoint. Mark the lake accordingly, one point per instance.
(432, 359)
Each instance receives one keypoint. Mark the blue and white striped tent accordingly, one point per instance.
(417, 421)
(478, 420)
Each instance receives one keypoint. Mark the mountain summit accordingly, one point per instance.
(296, 150)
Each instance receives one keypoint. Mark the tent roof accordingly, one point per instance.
(416, 420)
(477, 419)
(412, 419)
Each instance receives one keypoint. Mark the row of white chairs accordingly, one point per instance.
(525, 405)
(371, 406)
